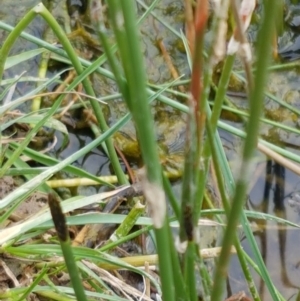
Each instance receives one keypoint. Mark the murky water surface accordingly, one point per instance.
(273, 189)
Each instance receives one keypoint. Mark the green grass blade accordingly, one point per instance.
(64, 239)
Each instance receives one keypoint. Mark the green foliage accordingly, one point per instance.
(177, 268)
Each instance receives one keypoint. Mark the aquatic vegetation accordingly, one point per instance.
(155, 120)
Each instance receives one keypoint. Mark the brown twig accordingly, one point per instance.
(63, 85)
(189, 24)
(169, 62)
(129, 169)
(240, 296)
(196, 77)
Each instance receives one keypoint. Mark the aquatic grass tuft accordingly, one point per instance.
(256, 100)
(135, 96)
(4, 51)
(180, 266)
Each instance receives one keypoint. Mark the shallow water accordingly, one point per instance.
(279, 246)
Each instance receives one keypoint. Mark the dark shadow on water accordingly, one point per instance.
(278, 243)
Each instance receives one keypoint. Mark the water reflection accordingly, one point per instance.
(273, 193)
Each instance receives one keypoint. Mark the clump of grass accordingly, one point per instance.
(177, 264)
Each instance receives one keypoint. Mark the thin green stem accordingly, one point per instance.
(59, 220)
(89, 90)
(180, 287)
(34, 283)
(134, 71)
(10, 40)
(189, 271)
(256, 100)
(137, 210)
(226, 205)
